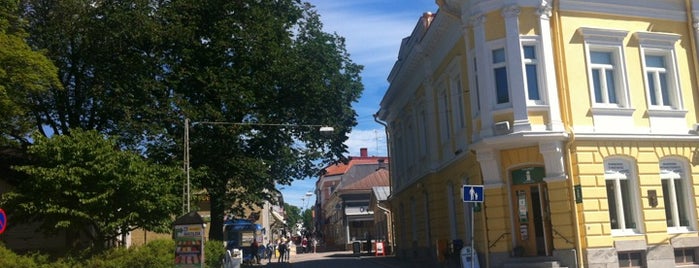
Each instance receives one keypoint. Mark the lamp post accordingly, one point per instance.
(325, 130)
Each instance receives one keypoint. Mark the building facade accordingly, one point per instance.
(343, 194)
(577, 117)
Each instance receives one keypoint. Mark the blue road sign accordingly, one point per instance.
(473, 193)
(3, 221)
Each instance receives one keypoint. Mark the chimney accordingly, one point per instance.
(363, 152)
(382, 164)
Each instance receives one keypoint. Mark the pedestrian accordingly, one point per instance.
(304, 244)
(282, 251)
(255, 251)
(289, 244)
(315, 244)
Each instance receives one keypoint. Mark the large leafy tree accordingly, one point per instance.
(138, 68)
(269, 64)
(83, 185)
(25, 76)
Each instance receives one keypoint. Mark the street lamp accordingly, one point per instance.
(325, 130)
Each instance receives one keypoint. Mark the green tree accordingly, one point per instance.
(262, 63)
(307, 217)
(109, 56)
(25, 76)
(83, 185)
(138, 68)
(292, 214)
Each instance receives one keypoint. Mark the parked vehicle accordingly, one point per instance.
(240, 234)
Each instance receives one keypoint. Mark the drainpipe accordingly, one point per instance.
(390, 218)
(694, 39)
(567, 114)
(388, 150)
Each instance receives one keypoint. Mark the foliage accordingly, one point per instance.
(266, 64)
(83, 185)
(155, 254)
(307, 218)
(25, 76)
(292, 214)
(213, 253)
(137, 68)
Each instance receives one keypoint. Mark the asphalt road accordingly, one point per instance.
(336, 259)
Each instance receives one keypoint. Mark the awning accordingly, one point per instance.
(278, 217)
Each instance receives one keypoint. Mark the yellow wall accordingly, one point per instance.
(647, 155)
(574, 53)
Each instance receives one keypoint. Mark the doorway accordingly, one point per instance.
(531, 213)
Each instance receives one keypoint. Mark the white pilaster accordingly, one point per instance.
(515, 66)
(549, 79)
(482, 58)
(490, 166)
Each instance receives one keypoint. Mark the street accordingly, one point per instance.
(337, 259)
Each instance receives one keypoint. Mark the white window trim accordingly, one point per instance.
(662, 44)
(444, 116)
(490, 83)
(473, 81)
(607, 40)
(632, 179)
(458, 105)
(688, 195)
(540, 68)
(457, 96)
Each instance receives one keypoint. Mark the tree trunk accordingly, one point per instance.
(217, 214)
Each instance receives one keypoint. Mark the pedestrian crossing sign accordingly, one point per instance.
(473, 193)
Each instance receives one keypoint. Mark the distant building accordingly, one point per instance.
(342, 206)
(578, 117)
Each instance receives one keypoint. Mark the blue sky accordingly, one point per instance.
(373, 30)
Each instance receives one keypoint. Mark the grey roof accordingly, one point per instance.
(381, 192)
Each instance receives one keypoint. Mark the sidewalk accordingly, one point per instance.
(362, 260)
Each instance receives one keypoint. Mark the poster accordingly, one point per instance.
(189, 245)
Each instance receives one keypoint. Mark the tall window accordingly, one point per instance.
(457, 94)
(605, 67)
(660, 69)
(531, 71)
(621, 197)
(476, 89)
(603, 72)
(444, 115)
(502, 93)
(424, 139)
(675, 196)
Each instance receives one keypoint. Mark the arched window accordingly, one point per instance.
(621, 184)
(676, 192)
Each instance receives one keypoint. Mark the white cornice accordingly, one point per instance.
(657, 9)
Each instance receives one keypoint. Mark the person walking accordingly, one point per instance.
(304, 244)
(289, 244)
(255, 248)
(282, 250)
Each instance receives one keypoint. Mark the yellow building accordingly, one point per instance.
(577, 116)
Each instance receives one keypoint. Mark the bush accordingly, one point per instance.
(213, 253)
(155, 254)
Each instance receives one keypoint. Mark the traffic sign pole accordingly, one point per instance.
(3, 221)
(473, 194)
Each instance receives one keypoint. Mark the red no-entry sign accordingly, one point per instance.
(3, 221)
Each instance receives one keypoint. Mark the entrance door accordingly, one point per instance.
(532, 223)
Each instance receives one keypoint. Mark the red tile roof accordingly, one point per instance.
(378, 178)
(341, 168)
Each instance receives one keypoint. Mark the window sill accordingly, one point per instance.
(680, 230)
(618, 111)
(626, 232)
(667, 113)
